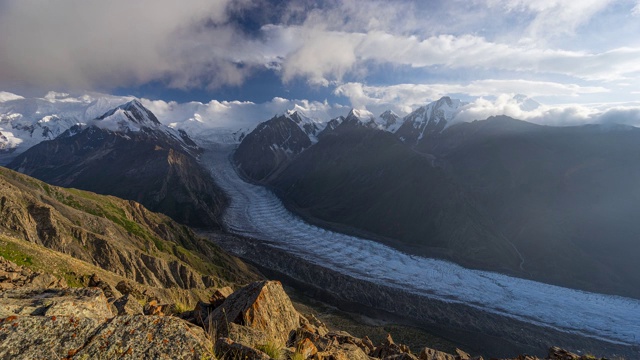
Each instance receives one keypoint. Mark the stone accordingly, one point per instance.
(13, 276)
(461, 355)
(219, 296)
(109, 292)
(556, 353)
(229, 349)
(431, 354)
(306, 348)
(247, 336)
(389, 348)
(78, 302)
(261, 305)
(128, 305)
(342, 352)
(403, 356)
(198, 315)
(126, 287)
(45, 337)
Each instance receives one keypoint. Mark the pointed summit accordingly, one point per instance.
(429, 119)
(131, 116)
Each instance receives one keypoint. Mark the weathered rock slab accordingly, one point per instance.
(261, 305)
(45, 337)
(78, 302)
(147, 337)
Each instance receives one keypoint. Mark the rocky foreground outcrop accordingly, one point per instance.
(257, 321)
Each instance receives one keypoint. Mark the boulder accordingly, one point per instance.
(78, 302)
(219, 296)
(389, 348)
(431, 354)
(109, 292)
(247, 336)
(45, 337)
(342, 352)
(126, 287)
(461, 355)
(128, 305)
(147, 337)
(261, 305)
(229, 349)
(306, 348)
(198, 315)
(13, 276)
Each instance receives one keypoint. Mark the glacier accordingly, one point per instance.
(256, 212)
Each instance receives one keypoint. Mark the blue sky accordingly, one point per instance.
(367, 54)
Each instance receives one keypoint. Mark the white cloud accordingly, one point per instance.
(323, 56)
(403, 98)
(103, 44)
(233, 115)
(636, 9)
(554, 18)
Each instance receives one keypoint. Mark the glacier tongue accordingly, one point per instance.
(255, 211)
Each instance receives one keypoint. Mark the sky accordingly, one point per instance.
(579, 59)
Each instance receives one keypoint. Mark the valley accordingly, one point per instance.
(257, 213)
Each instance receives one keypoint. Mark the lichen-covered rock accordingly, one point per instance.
(389, 348)
(229, 349)
(219, 296)
(462, 355)
(431, 354)
(247, 336)
(128, 305)
(78, 302)
(342, 352)
(126, 287)
(44, 337)
(307, 348)
(147, 337)
(13, 276)
(261, 305)
(556, 353)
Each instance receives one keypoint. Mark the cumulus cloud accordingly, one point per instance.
(402, 98)
(199, 44)
(93, 43)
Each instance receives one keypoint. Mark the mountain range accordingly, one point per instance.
(126, 152)
(554, 204)
(546, 203)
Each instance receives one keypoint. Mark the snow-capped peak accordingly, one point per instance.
(364, 116)
(131, 116)
(429, 119)
(389, 121)
(526, 103)
(7, 96)
(311, 127)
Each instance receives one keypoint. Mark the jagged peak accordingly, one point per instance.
(360, 114)
(129, 116)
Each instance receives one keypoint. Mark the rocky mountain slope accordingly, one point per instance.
(139, 267)
(164, 175)
(39, 221)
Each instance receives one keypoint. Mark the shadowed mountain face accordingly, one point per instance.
(554, 204)
(567, 197)
(369, 180)
(271, 145)
(127, 153)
